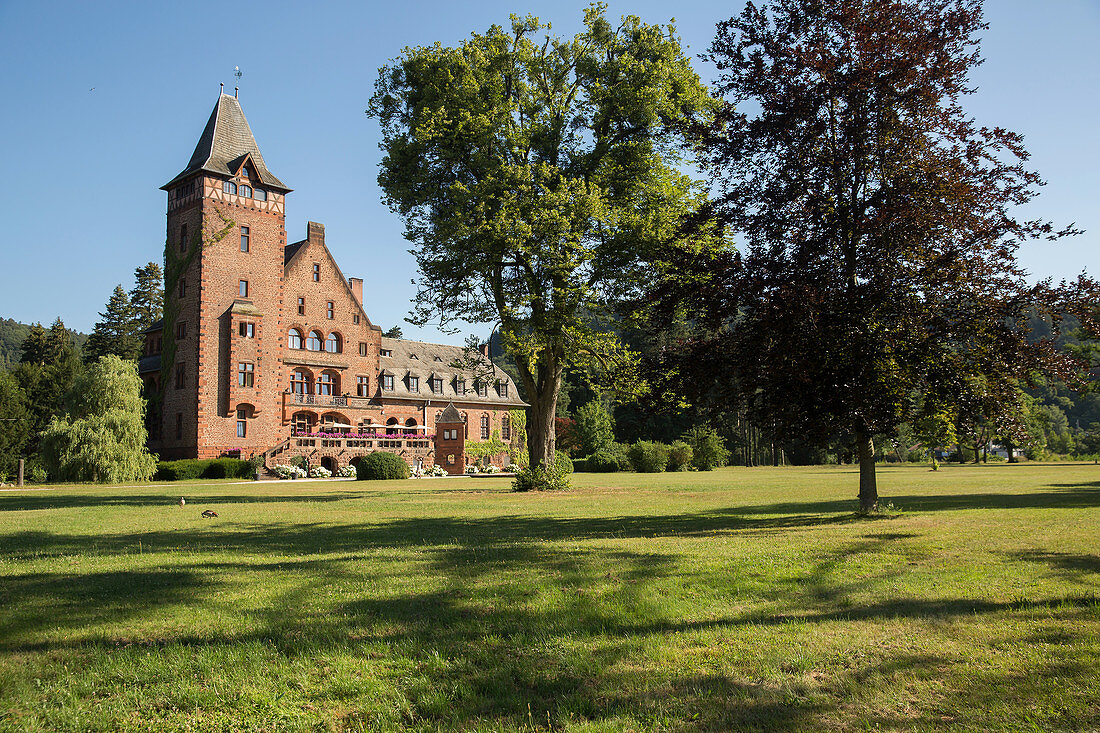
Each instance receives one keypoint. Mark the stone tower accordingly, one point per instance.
(223, 296)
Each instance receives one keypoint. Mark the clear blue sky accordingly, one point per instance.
(79, 190)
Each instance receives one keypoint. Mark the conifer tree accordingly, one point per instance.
(46, 372)
(147, 296)
(15, 423)
(115, 332)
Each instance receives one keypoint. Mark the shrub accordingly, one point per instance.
(541, 479)
(648, 457)
(320, 472)
(228, 468)
(606, 462)
(595, 427)
(283, 471)
(381, 466)
(182, 470)
(563, 463)
(346, 471)
(708, 448)
(679, 456)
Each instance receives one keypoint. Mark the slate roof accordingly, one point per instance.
(147, 364)
(290, 250)
(224, 143)
(425, 360)
(450, 415)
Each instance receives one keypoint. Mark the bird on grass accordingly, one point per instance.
(209, 513)
(182, 502)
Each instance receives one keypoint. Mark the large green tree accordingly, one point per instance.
(47, 368)
(15, 423)
(147, 296)
(878, 222)
(533, 174)
(115, 332)
(102, 435)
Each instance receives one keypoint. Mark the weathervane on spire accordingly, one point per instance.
(237, 73)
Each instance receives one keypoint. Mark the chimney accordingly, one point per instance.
(484, 349)
(356, 284)
(315, 232)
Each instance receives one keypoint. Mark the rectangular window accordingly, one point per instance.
(386, 352)
(245, 372)
(183, 237)
(362, 349)
(414, 384)
(505, 428)
(179, 425)
(355, 319)
(247, 330)
(242, 425)
(183, 287)
(181, 330)
(244, 239)
(301, 306)
(387, 382)
(362, 386)
(437, 385)
(181, 376)
(460, 386)
(242, 288)
(450, 435)
(331, 310)
(316, 273)
(502, 389)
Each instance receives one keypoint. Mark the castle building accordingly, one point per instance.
(266, 349)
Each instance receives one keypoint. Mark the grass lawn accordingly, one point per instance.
(742, 599)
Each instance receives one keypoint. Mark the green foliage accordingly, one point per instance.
(381, 466)
(540, 478)
(393, 333)
(595, 427)
(182, 470)
(648, 456)
(563, 463)
(605, 461)
(15, 423)
(707, 448)
(680, 456)
(518, 452)
(116, 331)
(48, 367)
(147, 296)
(488, 448)
(102, 436)
(534, 177)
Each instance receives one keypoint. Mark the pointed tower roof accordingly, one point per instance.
(450, 416)
(224, 145)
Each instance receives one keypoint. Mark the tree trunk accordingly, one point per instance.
(541, 438)
(868, 487)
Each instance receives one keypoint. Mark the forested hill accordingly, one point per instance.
(13, 332)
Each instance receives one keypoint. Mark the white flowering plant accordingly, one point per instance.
(471, 470)
(289, 471)
(346, 472)
(319, 472)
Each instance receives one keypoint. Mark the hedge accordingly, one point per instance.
(190, 468)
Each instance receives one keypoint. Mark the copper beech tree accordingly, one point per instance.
(876, 224)
(534, 175)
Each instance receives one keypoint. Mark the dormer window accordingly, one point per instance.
(482, 388)
(387, 382)
(437, 385)
(229, 187)
(414, 356)
(460, 386)
(386, 352)
(245, 172)
(414, 384)
(438, 359)
(502, 389)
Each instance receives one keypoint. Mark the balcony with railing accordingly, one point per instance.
(293, 399)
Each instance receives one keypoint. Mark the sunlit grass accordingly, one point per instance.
(732, 600)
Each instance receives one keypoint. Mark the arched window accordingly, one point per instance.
(328, 383)
(300, 382)
(245, 191)
(229, 187)
(313, 342)
(390, 426)
(411, 422)
(294, 340)
(259, 194)
(485, 426)
(332, 343)
(303, 422)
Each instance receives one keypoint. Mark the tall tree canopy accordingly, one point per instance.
(878, 221)
(115, 332)
(533, 175)
(102, 435)
(147, 296)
